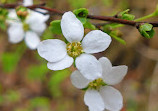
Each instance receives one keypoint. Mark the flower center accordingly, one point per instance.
(74, 49)
(96, 84)
(26, 27)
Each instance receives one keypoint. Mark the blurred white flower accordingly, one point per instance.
(61, 55)
(99, 95)
(28, 30)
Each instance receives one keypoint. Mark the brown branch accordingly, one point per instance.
(95, 17)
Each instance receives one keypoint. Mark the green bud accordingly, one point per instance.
(55, 27)
(22, 12)
(81, 14)
(125, 15)
(146, 30)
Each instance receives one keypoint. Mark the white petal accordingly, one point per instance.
(32, 40)
(52, 50)
(37, 17)
(112, 98)
(62, 64)
(78, 80)
(96, 41)
(112, 75)
(12, 17)
(71, 27)
(15, 33)
(89, 66)
(38, 27)
(27, 2)
(116, 75)
(94, 101)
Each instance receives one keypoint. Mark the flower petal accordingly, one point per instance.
(94, 101)
(112, 75)
(52, 50)
(62, 64)
(37, 17)
(89, 66)
(27, 2)
(112, 98)
(45, 16)
(96, 41)
(12, 17)
(38, 27)
(116, 74)
(78, 80)
(32, 40)
(15, 33)
(71, 27)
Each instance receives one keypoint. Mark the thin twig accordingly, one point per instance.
(94, 17)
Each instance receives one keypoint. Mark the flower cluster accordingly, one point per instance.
(26, 25)
(92, 75)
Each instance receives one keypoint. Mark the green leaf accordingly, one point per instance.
(125, 15)
(56, 79)
(89, 25)
(128, 16)
(146, 30)
(55, 27)
(118, 39)
(81, 14)
(37, 72)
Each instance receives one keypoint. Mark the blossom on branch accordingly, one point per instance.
(99, 95)
(29, 29)
(61, 55)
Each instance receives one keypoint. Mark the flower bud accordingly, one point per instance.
(146, 30)
(21, 12)
(125, 15)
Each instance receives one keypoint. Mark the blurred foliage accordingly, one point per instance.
(77, 3)
(55, 80)
(37, 72)
(11, 59)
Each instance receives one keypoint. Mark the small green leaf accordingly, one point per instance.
(89, 25)
(146, 30)
(118, 39)
(128, 16)
(125, 15)
(81, 14)
(55, 27)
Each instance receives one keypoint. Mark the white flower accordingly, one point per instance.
(60, 55)
(99, 95)
(29, 30)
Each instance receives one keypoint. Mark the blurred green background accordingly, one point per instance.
(26, 84)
